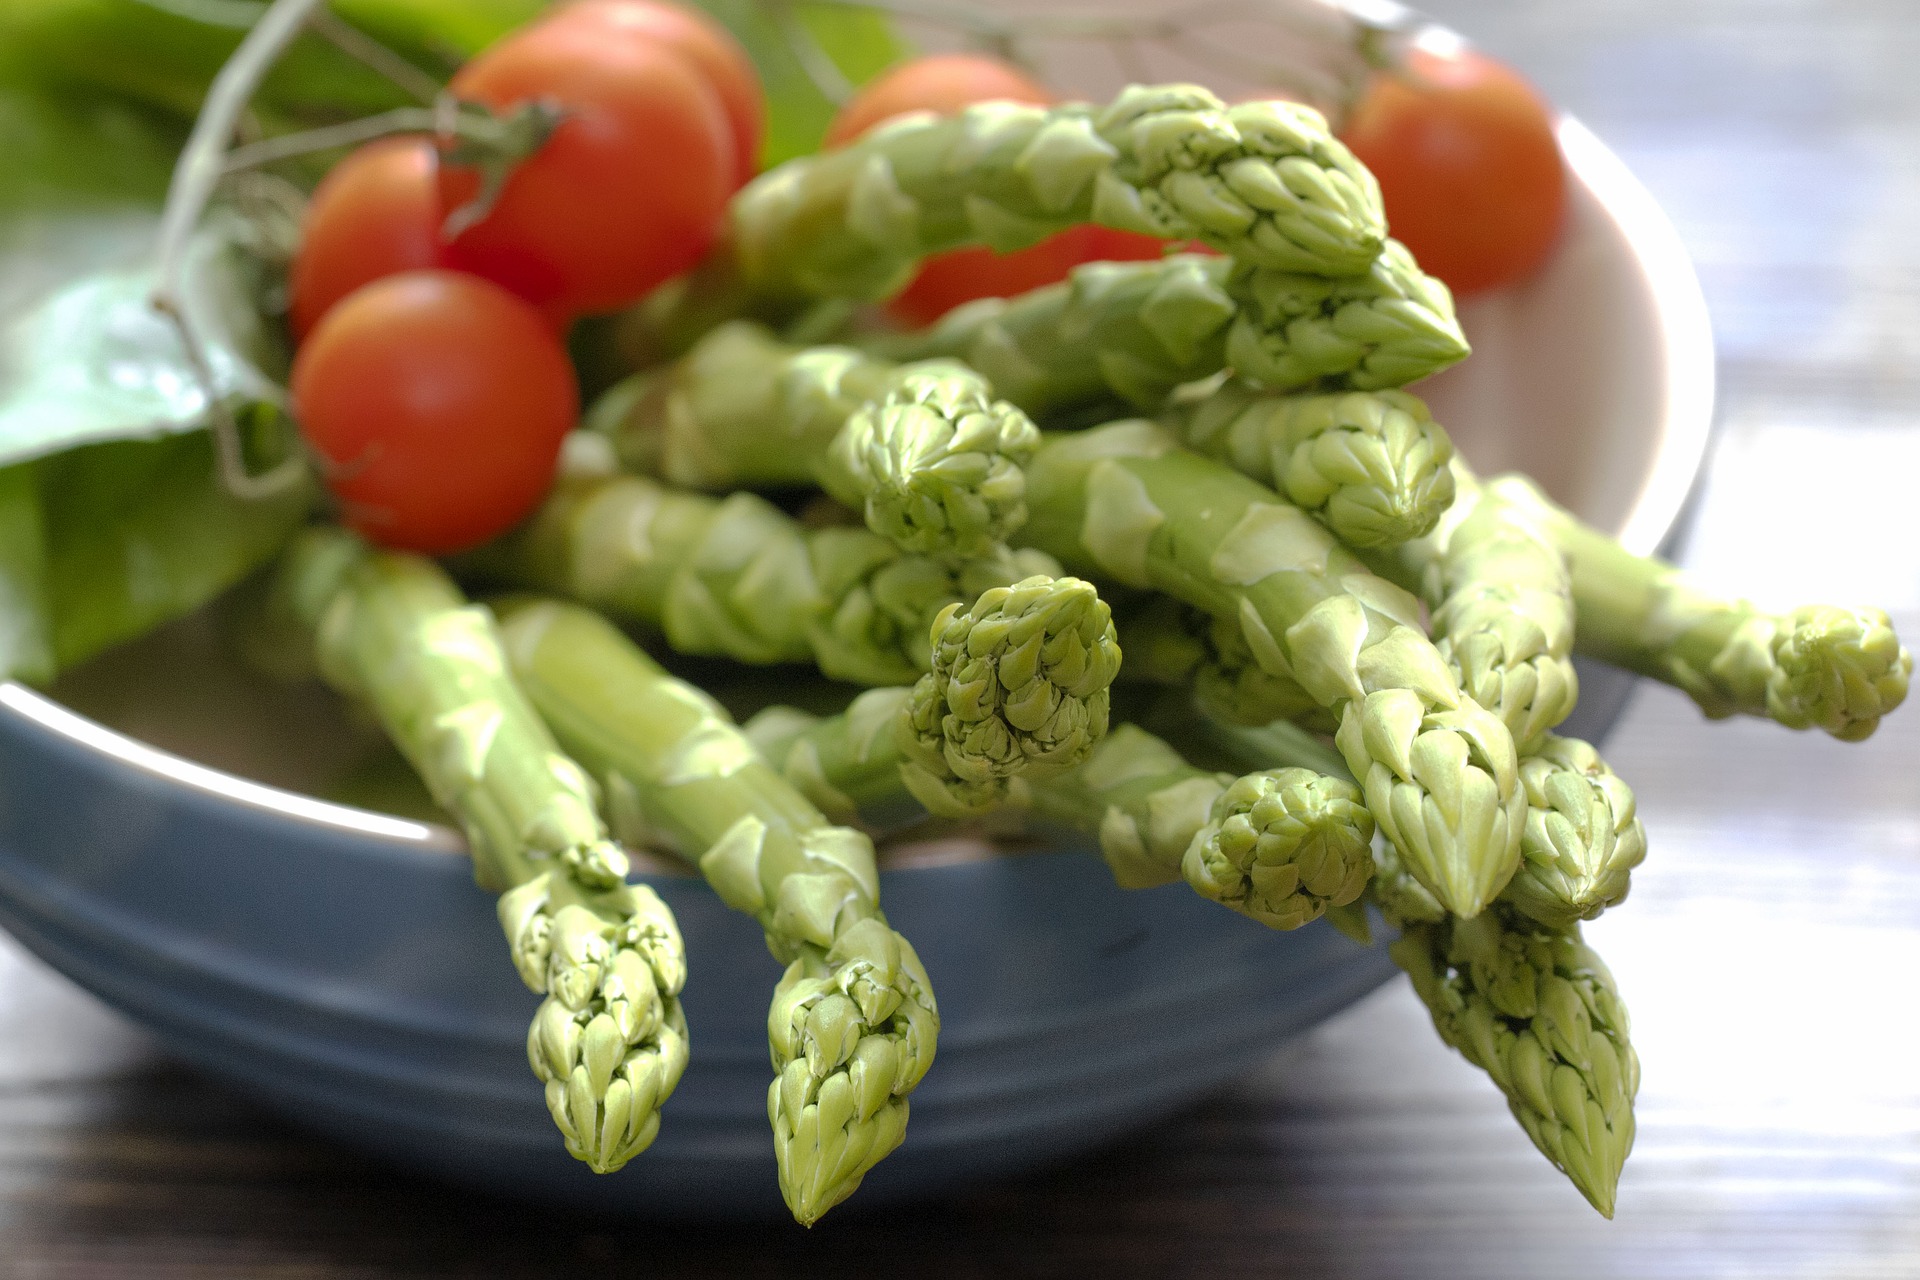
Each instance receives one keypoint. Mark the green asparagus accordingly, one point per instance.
(924, 450)
(737, 577)
(1171, 644)
(610, 1040)
(848, 765)
(1262, 181)
(1371, 466)
(1836, 669)
(1018, 689)
(936, 465)
(853, 1023)
(1138, 330)
(1438, 771)
(1581, 840)
(1536, 1009)
(1503, 606)
(1279, 846)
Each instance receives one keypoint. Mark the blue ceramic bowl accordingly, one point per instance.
(341, 966)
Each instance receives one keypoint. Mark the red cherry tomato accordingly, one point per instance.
(1469, 166)
(706, 44)
(375, 213)
(437, 402)
(626, 193)
(941, 83)
(946, 280)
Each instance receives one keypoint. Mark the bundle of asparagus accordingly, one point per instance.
(1342, 632)
(1293, 542)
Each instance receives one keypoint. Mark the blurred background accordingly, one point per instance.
(1767, 953)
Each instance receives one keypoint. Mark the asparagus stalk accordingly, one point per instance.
(736, 577)
(1498, 985)
(1438, 771)
(847, 764)
(853, 1023)
(925, 451)
(1837, 669)
(936, 465)
(1137, 330)
(1262, 181)
(1502, 605)
(1171, 644)
(1536, 1009)
(1580, 843)
(609, 1041)
(1371, 466)
(1018, 689)
(1280, 846)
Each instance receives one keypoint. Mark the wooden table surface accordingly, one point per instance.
(1768, 953)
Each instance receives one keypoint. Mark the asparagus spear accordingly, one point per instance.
(935, 464)
(1536, 1009)
(847, 764)
(1171, 644)
(1262, 181)
(1581, 840)
(1503, 606)
(1018, 689)
(610, 1040)
(1819, 666)
(1438, 771)
(1138, 330)
(1280, 846)
(925, 450)
(1371, 466)
(853, 1022)
(736, 577)
(1522, 999)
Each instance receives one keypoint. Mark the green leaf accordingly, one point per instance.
(94, 361)
(72, 150)
(140, 532)
(105, 530)
(164, 53)
(26, 648)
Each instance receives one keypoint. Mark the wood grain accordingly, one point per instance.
(1768, 952)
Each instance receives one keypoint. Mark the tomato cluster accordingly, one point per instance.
(431, 380)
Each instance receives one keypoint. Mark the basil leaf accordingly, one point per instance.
(138, 533)
(94, 361)
(26, 647)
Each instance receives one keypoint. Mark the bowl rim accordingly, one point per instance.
(1684, 433)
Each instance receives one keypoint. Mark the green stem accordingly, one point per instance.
(736, 577)
(1370, 465)
(853, 1022)
(1838, 669)
(1536, 1009)
(1138, 330)
(1438, 770)
(1264, 181)
(610, 1040)
(1503, 609)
